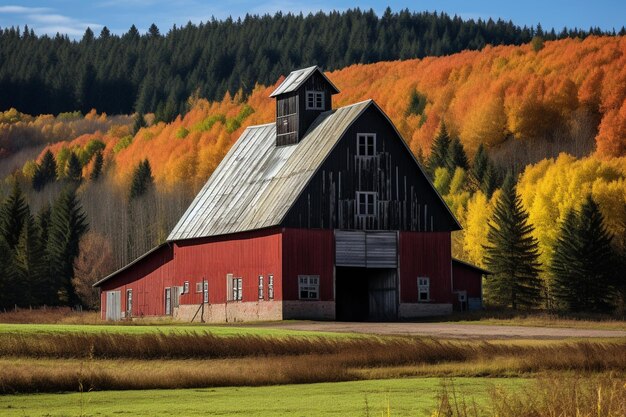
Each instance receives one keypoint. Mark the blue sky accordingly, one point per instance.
(73, 16)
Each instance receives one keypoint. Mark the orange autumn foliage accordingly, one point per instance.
(499, 94)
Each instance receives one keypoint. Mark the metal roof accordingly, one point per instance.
(471, 266)
(257, 182)
(125, 267)
(296, 78)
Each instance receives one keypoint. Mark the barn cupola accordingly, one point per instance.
(300, 98)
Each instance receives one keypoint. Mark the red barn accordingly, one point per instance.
(322, 214)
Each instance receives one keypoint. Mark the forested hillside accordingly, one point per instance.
(156, 72)
(551, 114)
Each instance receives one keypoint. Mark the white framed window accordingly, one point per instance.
(205, 291)
(366, 203)
(309, 287)
(315, 100)
(168, 301)
(198, 287)
(186, 287)
(261, 287)
(270, 287)
(129, 303)
(237, 289)
(366, 144)
(423, 289)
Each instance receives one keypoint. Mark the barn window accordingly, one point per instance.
(237, 289)
(129, 303)
(309, 287)
(423, 289)
(315, 100)
(260, 287)
(366, 203)
(366, 144)
(186, 287)
(168, 301)
(205, 292)
(198, 287)
(270, 287)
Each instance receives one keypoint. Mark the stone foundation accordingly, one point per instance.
(234, 311)
(309, 310)
(415, 310)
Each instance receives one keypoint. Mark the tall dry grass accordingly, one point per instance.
(53, 362)
(548, 396)
(50, 315)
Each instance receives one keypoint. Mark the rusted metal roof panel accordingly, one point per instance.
(296, 78)
(257, 182)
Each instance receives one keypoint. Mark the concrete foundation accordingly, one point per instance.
(310, 310)
(235, 311)
(415, 310)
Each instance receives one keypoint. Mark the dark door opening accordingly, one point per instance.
(365, 294)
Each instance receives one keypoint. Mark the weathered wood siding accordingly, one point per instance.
(287, 107)
(406, 199)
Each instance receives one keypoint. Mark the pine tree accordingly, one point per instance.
(142, 180)
(7, 277)
(29, 264)
(43, 223)
(46, 171)
(67, 225)
(12, 216)
(439, 149)
(584, 264)
(490, 180)
(74, 168)
(456, 157)
(97, 166)
(140, 122)
(479, 165)
(512, 254)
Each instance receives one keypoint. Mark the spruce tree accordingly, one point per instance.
(67, 225)
(439, 149)
(584, 265)
(12, 216)
(456, 157)
(30, 266)
(140, 122)
(46, 171)
(7, 277)
(43, 223)
(97, 166)
(142, 180)
(479, 165)
(512, 253)
(74, 168)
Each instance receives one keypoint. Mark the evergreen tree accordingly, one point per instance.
(97, 166)
(439, 149)
(29, 265)
(12, 216)
(512, 254)
(43, 223)
(46, 171)
(74, 168)
(456, 157)
(67, 225)
(142, 180)
(490, 180)
(584, 265)
(7, 278)
(140, 122)
(479, 165)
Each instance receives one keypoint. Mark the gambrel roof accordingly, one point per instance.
(257, 182)
(296, 78)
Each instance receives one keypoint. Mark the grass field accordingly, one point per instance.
(406, 397)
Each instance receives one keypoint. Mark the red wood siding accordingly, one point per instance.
(425, 254)
(246, 255)
(467, 279)
(308, 252)
(148, 279)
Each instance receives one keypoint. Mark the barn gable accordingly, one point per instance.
(258, 183)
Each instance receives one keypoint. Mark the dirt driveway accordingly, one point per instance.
(448, 330)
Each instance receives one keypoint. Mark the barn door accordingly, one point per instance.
(114, 306)
(383, 304)
(168, 301)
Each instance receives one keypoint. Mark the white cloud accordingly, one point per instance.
(23, 10)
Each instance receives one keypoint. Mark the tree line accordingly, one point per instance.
(586, 273)
(155, 72)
